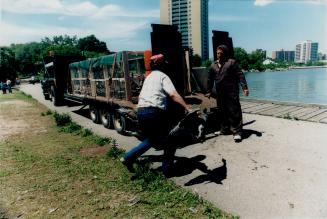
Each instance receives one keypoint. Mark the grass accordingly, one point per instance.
(44, 174)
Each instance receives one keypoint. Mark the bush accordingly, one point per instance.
(100, 140)
(71, 127)
(62, 119)
(115, 152)
(86, 132)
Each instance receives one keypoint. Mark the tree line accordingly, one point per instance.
(27, 59)
(253, 61)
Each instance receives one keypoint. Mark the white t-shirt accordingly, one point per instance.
(157, 86)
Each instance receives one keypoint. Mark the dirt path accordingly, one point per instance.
(9, 126)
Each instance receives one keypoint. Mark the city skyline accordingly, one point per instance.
(126, 25)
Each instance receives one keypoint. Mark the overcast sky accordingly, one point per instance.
(126, 24)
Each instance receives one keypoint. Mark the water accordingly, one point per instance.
(299, 86)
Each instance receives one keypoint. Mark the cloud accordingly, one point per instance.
(267, 2)
(12, 33)
(263, 2)
(85, 8)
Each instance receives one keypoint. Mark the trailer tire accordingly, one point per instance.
(119, 123)
(94, 114)
(106, 119)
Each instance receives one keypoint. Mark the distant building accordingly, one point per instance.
(191, 17)
(283, 56)
(268, 61)
(321, 56)
(306, 51)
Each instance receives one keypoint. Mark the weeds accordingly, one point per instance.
(86, 132)
(115, 152)
(62, 119)
(71, 127)
(100, 140)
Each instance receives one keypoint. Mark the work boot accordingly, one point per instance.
(237, 137)
(128, 165)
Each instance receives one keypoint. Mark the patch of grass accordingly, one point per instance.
(115, 152)
(4, 173)
(46, 171)
(101, 141)
(47, 113)
(62, 119)
(71, 127)
(287, 116)
(86, 132)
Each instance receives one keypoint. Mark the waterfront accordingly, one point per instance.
(308, 86)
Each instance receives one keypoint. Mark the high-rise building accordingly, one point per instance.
(191, 17)
(284, 56)
(306, 51)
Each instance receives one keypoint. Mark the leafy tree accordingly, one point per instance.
(207, 63)
(7, 64)
(26, 56)
(242, 57)
(60, 45)
(255, 60)
(92, 44)
(196, 60)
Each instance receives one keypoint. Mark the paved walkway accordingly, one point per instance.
(279, 170)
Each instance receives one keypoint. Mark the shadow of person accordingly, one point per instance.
(216, 175)
(182, 165)
(246, 133)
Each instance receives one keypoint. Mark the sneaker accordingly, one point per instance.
(128, 165)
(237, 137)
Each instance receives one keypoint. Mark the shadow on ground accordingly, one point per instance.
(185, 166)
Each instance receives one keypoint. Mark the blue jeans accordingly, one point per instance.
(154, 126)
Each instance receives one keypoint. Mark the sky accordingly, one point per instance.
(126, 24)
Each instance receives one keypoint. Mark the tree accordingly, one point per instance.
(7, 64)
(196, 60)
(92, 44)
(60, 45)
(26, 56)
(207, 63)
(255, 60)
(242, 57)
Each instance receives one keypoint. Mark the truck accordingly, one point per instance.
(110, 85)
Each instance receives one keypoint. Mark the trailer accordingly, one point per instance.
(110, 85)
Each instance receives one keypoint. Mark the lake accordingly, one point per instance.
(298, 86)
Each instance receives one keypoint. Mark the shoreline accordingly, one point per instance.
(307, 67)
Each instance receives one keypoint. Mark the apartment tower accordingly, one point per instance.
(191, 17)
(306, 51)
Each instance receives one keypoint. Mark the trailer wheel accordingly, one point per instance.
(106, 118)
(94, 114)
(119, 123)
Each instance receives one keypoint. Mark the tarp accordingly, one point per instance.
(85, 65)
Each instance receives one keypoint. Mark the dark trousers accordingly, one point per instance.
(154, 126)
(228, 103)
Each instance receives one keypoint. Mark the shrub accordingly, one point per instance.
(86, 132)
(115, 152)
(62, 119)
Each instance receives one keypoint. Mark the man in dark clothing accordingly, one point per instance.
(225, 76)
